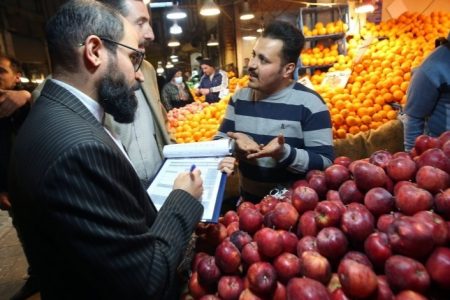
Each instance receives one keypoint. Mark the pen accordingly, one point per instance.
(192, 168)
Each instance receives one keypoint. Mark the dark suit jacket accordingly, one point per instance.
(87, 223)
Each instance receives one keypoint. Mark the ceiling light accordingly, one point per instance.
(249, 38)
(246, 13)
(160, 4)
(175, 28)
(176, 14)
(169, 65)
(209, 9)
(212, 41)
(173, 42)
(364, 7)
(260, 29)
(173, 56)
(175, 60)
(160, 69)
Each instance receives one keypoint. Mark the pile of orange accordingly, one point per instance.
(320, 55)
(325, 29)
(235, 83)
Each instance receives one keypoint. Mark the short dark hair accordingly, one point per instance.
(119, 5)
(16, 66)
(73, 23)
(292, 38)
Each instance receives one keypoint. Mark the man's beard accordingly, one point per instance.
(116, 97)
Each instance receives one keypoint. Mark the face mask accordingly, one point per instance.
(178, 80)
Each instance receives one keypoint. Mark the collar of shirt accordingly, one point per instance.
(87, 101)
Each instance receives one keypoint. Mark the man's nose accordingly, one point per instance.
(139, 75)
(149, 34)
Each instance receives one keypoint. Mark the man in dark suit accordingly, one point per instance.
(92, 231)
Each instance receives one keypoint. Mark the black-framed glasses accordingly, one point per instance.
(136, 57)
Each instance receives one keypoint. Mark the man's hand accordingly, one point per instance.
(244, 143)
(11, 100)
(227, 164)
(203, 91)
(190, 182)
(273, 149)
(4, 201)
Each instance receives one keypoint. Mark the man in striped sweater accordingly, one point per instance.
(282, 129)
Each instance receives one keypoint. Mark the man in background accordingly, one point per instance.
(213, 84)
(78, 202)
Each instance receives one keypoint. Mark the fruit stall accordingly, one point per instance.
(373, 225)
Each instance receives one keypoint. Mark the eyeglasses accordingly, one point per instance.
(136, 57)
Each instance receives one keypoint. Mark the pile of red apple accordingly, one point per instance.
(376, 228)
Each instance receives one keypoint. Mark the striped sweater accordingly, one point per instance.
(301, 116)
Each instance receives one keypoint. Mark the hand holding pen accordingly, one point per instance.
(190, 182)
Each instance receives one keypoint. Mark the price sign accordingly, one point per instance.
(337, 79)
(306, 82)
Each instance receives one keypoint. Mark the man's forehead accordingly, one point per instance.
(130, 36)
(137, 10)
(268, 46)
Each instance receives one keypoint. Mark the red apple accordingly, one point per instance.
(400, 169)
(307, 243)
(368, 176)
(208, 271)
(307, 224)
(442, 203)
(332, 243)
(404, 273)
(333, 195)
(195, 288)
(446, 148)
(434, 158)
(287, 266)
(299, 183)
(410, 237)
(230, 287)
(410, 295)
(358, 280)
(216, 233)
(306, 289)
(312, 173)
(315, 266)
(357, 222)
(438, 266)
(328, 213)
(432, 179)
(401, 154)
(335, 175)
(358, 257)
(270, 242)
(267, 204)
(342, 160)
(240, 239)
(197, 258)
(438, 226)
(349, 192)
(285, 216)
(421, 143)
(384, 221)
(250, 253)
(290, 241)
(280, 292)
(262, 278)
(399, 184)
(304, 199)
(232, 227)
(338, 294)
(229, 217)
(244, 205)
(319, 184)
(410, 199)
(444, 137)
(250, 220)
(228, 257)
(380, 158)
(377, 248)
(379, 201)
(383, 292)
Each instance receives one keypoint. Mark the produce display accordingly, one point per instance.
(373, 228)
(380, 58)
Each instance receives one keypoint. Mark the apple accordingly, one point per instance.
(287, 266)
(216, 233)
(267, 204)
(228, 257)
(307, 224)
(230, 217)
(262, 278)
(434, 158)
(197, 258)
(230, 287)
(338, 294)
(444, 137)
(319, 184)
(400, 169)
(421, 143)
(442, 203)
(285, 216)
(250, 220)
(379, 201)
(358, 257)
(195, 288)
(357, 280)
(357, 222)
(299, 183)
(306, 289)
(332, 243)
(333, 195)
(250, 253)
(446, 148)
(437, 224)
(405, 273)
(377, 248)
(315, 266)
(399, 184)
(335, 175)
(410, 199)
(432, 179)
(306, 243)
(208, 272)
(312, 173)
(438, 266)
(280, 292)
(411, 237)
(368, 176)
(380, 158)
(384, 291)
(410, 295)
(328, 213)
(342, 160)
(384, 221)
(270, 242)
(401, 154)
(304, 199)
(240, 239)
(244, 205)
(267, 220)
(349, 192)
(232, 227)
(290, 241)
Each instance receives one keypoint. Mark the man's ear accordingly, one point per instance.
(93, 52)
(289, 70)
(18, 76)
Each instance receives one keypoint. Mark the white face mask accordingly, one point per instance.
(178, 80)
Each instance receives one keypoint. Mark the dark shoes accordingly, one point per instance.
(30, 288)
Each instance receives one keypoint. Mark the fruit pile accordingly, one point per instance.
(320, 55)
(358, 230)
(325, 29)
